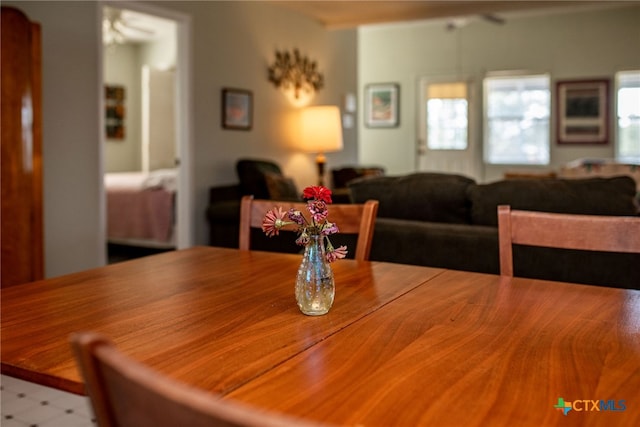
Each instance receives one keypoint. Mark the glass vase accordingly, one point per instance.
(315, 287)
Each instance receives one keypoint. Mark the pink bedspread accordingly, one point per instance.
(139, 212)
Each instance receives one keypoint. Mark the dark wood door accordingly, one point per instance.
(22, 229)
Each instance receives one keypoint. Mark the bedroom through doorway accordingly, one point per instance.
(141, 152)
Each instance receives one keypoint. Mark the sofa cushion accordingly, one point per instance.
(281, 187)
(591, 196)
(434, 244)
(421, 196)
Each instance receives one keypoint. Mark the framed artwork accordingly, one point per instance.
(114, 111)
(583, 111)
(382, 105)
(237, 109)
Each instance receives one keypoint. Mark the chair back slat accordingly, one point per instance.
(351, 219)
(565, 231)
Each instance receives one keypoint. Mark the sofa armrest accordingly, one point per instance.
(224, 193)
(224, 223)
(223, 215)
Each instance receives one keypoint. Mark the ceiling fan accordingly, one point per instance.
(119, 26)
(459, 22)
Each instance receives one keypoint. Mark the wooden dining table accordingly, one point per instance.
(402, 345)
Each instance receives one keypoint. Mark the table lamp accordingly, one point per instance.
(321, 133)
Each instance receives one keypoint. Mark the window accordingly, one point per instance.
(447, 116)
(628, 116)
(516, 120)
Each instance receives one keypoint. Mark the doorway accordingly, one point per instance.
(446, 127)
(146, 137)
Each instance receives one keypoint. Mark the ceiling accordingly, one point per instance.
(338, 14)
(135, 27)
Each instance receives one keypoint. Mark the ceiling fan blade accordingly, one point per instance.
(136, 28)
(493, 18)
(456, 23)
(112, 14)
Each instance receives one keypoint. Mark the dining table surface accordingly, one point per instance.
(403, 345)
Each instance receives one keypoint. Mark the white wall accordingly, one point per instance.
(122, 67)
(568, 46)
(232, 45)
(71, 131)
(160, 53)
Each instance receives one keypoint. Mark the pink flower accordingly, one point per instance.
(318, 210)
(273, 222)
(317, 199)
(317, 193)
(296, 216)
(329, 228)
(303, 239)
(334, 254)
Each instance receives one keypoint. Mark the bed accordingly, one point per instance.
(141, 208)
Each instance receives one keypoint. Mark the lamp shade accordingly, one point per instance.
(321, 129)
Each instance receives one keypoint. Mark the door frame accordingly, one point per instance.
(185, 198)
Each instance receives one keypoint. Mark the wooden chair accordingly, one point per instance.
(351, 219)
(126, 393)
(583, 232)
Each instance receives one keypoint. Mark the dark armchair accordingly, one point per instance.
(261, 178)
(264, 180)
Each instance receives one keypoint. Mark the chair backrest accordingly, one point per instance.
(566, 231)
(351, 219)
(126, 393)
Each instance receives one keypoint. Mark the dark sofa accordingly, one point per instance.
(450, 221)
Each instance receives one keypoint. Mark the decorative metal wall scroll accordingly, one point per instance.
(296, 72)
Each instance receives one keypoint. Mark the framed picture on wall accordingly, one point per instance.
(237, 109)
(114, 111)
(583, 111)
(382, 105)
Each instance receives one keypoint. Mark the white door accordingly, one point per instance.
(158, 120)
(446, 128)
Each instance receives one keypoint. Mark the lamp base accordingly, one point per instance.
(321, 161)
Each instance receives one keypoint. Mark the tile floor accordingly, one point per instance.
(25, 404)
